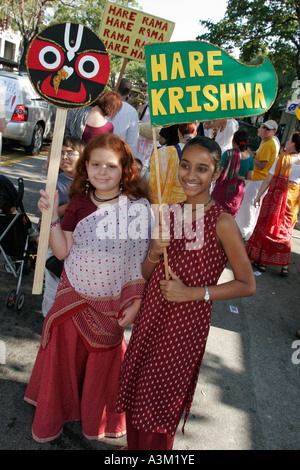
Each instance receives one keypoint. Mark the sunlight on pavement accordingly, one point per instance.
(8, 160)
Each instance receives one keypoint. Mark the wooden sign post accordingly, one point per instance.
(159, 199)
(121, 74)
(69, 67)
(53, 168)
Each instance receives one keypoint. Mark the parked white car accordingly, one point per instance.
(28, 116)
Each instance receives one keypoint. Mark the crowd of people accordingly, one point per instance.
(108, 245)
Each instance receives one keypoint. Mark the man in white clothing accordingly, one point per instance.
(126, 121)
(263, 160)
(225, 134)
(222, 132)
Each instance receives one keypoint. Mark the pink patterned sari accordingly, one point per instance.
(229, 189)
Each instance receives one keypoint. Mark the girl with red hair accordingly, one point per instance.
(77, 369)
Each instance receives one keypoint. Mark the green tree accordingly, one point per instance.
(86, 12)
(262, 28)
(25, 16)
(31, 16)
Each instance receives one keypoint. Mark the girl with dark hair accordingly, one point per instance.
(168, 160)
(237, 166)
(167, 344)
(270, 243)
(77, 369)
(90, 121)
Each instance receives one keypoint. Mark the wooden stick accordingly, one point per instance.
(54, 162)
(121, 74)
(159, 197)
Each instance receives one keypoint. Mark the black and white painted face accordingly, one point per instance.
(68, 65)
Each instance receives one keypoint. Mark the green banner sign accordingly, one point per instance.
(197, 81)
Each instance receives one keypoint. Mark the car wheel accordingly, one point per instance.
(37, 141)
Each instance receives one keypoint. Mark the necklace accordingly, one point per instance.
(185, 214)
(105, 200)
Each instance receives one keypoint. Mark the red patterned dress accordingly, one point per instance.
(77, 369)
(168, 340)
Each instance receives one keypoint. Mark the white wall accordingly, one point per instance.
(10, 45)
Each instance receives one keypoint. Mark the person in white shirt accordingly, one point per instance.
(126, 121)
(224, 136)
(222, 132)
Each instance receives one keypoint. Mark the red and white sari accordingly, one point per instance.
(77, 369)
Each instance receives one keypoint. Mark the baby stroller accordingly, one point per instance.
(18, 247)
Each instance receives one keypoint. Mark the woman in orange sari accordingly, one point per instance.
(270, 243)
(169, 159)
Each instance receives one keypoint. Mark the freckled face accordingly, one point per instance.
(104, 171)
(196, 172)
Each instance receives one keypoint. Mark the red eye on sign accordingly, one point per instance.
(93, 66)
(44, 55)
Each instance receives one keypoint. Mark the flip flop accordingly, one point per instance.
(284, 272)
(261, 267)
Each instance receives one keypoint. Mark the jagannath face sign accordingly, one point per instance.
(68, 65)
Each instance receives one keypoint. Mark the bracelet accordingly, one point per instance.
(151, 260)
(55, 223)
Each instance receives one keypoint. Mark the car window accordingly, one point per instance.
(31, 93)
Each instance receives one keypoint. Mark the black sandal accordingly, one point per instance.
(261, 267)
(284, 272)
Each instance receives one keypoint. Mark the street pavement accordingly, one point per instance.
(247, 396)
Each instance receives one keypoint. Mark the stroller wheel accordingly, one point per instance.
(10, 299)
(19, 301)
(27, 266)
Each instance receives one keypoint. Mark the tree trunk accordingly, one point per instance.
(25, 47)
(27, 39)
